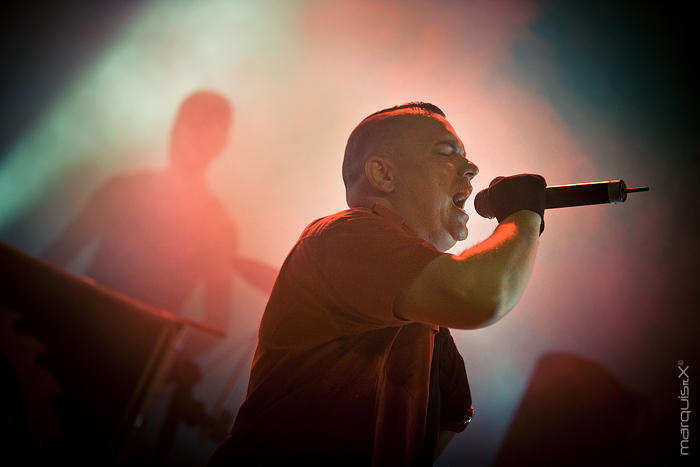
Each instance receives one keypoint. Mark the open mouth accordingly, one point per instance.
(459, 199)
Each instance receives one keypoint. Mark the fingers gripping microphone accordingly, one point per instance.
(563, 196)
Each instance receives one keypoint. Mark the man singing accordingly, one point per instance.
(355, 365)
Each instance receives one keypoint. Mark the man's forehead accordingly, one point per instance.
(439, 131)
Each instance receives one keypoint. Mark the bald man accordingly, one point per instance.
(355, 364)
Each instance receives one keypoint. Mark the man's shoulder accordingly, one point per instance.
(350, 221)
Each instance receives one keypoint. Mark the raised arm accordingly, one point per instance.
(480, 286)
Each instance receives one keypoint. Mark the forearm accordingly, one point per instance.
(500, 267)
(481, 285)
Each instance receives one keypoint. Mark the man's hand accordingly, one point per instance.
(508, 195)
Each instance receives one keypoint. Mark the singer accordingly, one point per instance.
(355, 364)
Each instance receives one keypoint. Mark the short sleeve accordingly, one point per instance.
(364, 262)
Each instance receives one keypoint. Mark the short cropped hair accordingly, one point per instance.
(365, 135)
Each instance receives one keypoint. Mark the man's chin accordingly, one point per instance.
(461, 233)
(451, 240)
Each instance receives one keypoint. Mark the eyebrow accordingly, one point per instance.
(454, 144)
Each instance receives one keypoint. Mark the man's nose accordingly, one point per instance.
(469, 169)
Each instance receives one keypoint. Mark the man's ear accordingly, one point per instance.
(380, 174)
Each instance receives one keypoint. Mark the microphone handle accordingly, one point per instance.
(581, 194)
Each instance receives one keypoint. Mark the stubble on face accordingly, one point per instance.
(426, 181)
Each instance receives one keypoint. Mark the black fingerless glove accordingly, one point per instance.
(508, 195)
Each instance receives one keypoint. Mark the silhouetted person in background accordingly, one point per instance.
(162, 234)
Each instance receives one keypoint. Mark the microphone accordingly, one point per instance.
(564, 196)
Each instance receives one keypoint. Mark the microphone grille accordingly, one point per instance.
(482, 204)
